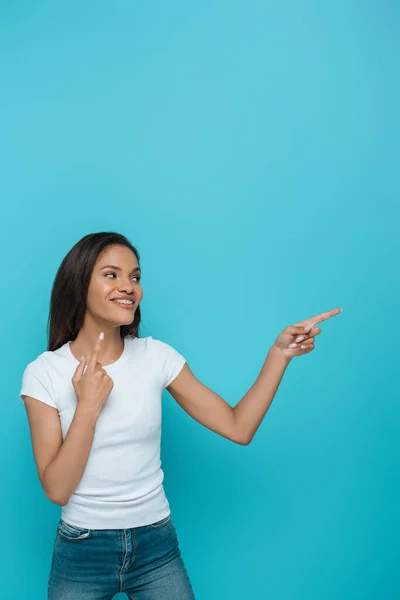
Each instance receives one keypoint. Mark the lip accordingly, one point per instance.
(125, 306)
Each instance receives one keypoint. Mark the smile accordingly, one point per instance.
(124, 303)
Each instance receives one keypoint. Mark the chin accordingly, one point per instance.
(118, 323)
(128, 320)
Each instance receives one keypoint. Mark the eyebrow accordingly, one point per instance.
(135, 270)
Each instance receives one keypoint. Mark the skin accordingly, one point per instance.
(102, 315)
(61, 464)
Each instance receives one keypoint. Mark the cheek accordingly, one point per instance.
(98, 292)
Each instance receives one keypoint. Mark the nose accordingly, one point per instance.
(126, 285)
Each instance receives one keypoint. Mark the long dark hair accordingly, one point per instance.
(70, 288)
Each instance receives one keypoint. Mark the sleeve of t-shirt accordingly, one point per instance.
(170, 360)
(36, 383)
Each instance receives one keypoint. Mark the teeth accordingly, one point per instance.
(123, 301)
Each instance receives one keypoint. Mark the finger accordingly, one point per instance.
(79, 369)
(295, 330)
(301, 343)
(302, 332)
(303, 349)
(95, 353)
(306, 349)
(306, 345)
(305, 341)
(299, 330)
(99, 367)
(321, 317)
(305, 336)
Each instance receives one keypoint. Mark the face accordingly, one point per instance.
(114, 290)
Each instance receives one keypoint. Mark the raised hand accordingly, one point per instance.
(299, 339)
(94, 385)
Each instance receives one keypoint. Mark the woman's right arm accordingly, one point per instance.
(61, 464)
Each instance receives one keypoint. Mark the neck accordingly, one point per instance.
(112, 347)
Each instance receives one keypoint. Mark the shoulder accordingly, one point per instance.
(40, 364)
(38, 379)
(154, 346)
(147, 343)
(45, 362)
(165, 359)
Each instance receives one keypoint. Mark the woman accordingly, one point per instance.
(93, 401)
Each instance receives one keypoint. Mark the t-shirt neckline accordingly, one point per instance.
(109, 367)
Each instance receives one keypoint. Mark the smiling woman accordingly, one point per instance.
(93, 401)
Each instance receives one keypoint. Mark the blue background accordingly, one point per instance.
(250, 150)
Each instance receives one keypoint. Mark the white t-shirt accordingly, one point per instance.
(122, 483)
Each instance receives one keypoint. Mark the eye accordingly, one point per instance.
(137, 277)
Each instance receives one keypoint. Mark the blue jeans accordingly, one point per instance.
(95, 564)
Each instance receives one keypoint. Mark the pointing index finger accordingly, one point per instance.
(322, 317)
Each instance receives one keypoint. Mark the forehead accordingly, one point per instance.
(120, 256)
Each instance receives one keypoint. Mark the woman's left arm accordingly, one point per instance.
(240, 423)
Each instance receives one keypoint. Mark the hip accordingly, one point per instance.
(107, 561)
